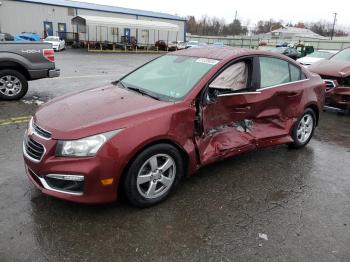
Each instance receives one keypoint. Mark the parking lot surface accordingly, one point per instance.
(274, 204)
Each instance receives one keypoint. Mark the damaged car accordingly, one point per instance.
(145, 132)
(336, 74)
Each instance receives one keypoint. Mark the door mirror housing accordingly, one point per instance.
(211, 95)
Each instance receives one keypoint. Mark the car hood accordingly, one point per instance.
(331, 68)
(95, 111)
(309, 60)
(52, 42)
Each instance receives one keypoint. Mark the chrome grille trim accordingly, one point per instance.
(33, 150)
(41, 131)
(48, 187)
(329, 84)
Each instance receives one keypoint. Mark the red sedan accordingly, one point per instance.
(336, 74)
(145, 132)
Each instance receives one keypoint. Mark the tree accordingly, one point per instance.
(214, 26)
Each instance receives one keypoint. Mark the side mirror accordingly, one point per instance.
(212, 95)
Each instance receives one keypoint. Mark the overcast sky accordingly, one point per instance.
(253, 10)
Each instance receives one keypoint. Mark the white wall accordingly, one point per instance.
(17, 17)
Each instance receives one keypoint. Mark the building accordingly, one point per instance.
(54, 17)
(292, 33)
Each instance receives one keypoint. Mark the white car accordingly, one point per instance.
(176, 45)
(316, 56)
(192, 44)
(57, 43)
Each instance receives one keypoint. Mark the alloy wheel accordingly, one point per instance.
(156, 176)
(305, 128)
(10, 85)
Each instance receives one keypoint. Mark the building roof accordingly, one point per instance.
(298, 32)
(104, 8)
(123, 22)
(217, 53)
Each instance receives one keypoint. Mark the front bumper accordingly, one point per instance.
(338, 96)
(92, 169)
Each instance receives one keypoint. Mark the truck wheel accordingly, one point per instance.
(13, 85)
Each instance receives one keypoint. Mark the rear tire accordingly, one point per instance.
(303, 129)
(153, 175)
(13, 85)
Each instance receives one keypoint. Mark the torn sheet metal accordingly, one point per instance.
(245, 125)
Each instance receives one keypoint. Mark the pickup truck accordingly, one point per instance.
(22, 62)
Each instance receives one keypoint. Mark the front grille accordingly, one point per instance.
(33, 149)
(40, 131)
(329, 84)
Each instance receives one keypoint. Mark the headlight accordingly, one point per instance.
(87, 146)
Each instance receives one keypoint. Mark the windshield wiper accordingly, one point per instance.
(138, 90)
(141, 91)
(122, 84)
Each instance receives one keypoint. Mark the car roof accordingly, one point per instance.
(221, 53)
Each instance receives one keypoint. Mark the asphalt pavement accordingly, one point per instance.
(273, 204)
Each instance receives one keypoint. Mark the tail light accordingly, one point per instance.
(49, 54)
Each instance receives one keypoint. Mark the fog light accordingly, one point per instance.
(67, 177)
(106, 182)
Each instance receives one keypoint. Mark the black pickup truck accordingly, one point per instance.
(21, 62)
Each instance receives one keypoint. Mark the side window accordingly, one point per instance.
(233, 78)
(295, 73)
(273, 71)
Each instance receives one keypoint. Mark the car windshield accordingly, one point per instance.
(343, 55)
(169, 77)
(51, 38)
(320, 54)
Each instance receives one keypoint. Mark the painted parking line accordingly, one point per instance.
(14, 120)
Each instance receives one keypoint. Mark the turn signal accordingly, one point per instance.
(106, 182)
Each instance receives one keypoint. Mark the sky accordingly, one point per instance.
(249, 11)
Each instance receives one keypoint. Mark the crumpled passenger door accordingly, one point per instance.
(227, 127)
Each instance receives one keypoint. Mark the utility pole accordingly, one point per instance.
(235, 16)
(335, 20)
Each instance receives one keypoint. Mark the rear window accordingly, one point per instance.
(295, 73)
(273, 72)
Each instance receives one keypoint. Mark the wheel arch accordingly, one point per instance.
(11, 65)
(314, 108)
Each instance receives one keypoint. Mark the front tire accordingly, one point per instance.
(13, 85)
(304, 129)
(153, 175)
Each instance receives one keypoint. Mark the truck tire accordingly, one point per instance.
(13, 84)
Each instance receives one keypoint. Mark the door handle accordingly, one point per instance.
(292, 94)
(242, 108)
(289, 93)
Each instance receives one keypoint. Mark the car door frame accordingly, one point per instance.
(291, 91)
(202, 138)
